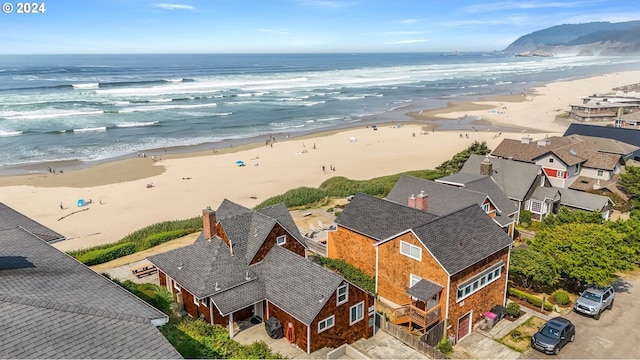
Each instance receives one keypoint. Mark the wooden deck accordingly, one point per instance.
(408, 313)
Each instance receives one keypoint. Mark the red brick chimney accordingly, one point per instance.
(412, 201)
(209, 223)
(422, 201)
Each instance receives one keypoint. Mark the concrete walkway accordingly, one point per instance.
(482, 344)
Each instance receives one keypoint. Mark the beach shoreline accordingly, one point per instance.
(135, 192)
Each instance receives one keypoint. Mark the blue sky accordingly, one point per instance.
(297, 26)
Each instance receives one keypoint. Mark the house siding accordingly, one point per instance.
(291, 244)
(352, 247)
(299, 328)
(342, 332)
(482, 300)
(162, 278)
(395, 269)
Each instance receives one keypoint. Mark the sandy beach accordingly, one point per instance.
(122, 202)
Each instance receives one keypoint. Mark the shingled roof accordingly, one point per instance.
(486, 185)
(513, 177)
(379, 218)
(628, 136)
(207, 268)
(52, 306)
(572, 150)
(443, 199)
(11, 219)
(462, 239)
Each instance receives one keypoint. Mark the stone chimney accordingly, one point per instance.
(422, 201)
(486, 167)
(209, 223)
(412, 201)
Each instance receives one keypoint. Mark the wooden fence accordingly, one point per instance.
(410, 340)
(316, 247)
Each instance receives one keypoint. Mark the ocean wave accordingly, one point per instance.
(165, 107)
(38, 115)
(353, 97)
(86, 86)
(10, 133)
(99, 128)
(137, 124)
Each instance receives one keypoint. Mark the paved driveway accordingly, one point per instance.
(615, 336)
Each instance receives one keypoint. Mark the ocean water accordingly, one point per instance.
(97, 107)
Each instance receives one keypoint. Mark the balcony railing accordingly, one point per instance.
(408, 313)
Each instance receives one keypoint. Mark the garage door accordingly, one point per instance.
(464, 326)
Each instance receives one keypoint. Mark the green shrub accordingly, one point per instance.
(349, 272)
(513, 309)
(444, 346)
(532, 299)
(157, 239)
(141, 239)
(516, 334)
(525, 217)
(99, 256)
(330, 209)
(561, 297)
(337, 213)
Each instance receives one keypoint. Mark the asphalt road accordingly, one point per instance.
(615, 336)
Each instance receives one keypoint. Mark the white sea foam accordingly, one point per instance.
(99, 128)
(137, 124)
(10, 133)
(147, 108)
(86, 86)
(46, 114)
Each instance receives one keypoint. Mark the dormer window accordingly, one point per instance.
(281, 240)
(485, 207)
(342, 294)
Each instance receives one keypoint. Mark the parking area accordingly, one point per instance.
(614, 336)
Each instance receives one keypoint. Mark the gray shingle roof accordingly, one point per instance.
(200, 266)
(379, 218)
(583, 200)
(485, 184)
(513, 177)
(424, 290)
(542, 193)
(295, 284)
(443, 199)
(463, 238)
(52, 306)
(11, 219)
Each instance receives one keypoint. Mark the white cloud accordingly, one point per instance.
(324, 3)
(275, 31)
(409, 21)
(506, 5)
(401, 42)
(173, 6)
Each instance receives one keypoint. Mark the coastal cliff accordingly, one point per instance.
(589, 39)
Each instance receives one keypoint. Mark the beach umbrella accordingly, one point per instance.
(239, 162)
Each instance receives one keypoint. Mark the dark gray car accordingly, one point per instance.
(553, 335)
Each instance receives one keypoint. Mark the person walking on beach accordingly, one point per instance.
(61, 207)
(323, 170)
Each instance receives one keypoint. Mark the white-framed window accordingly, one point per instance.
(281, 240)
(413, 279)
(195, 301)
(342, 294)
(326, 323)
(356, 313)
(411, 251)
(177, 286)
(475, 284)
(536, 207)
(485, 207)
(600, 172)
(560, 173)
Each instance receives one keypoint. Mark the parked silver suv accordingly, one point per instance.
(594, 301)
